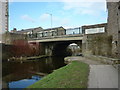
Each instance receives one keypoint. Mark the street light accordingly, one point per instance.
(51, 19)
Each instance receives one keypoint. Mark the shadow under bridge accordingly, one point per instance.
(60, 48)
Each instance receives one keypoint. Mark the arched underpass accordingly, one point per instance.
(60, 48)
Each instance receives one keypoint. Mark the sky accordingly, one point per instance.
(24, 15)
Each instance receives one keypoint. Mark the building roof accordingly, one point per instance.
(35, 30)
(95, 25)
(29, 30)
(53, 28)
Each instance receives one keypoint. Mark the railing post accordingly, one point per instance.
(79, 30)
(42, 34)
(65, 31)
(57, 31)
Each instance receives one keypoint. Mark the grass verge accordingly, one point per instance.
(73, 75)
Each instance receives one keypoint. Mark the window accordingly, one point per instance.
(54, 33)
(119, 7)
(45, 34)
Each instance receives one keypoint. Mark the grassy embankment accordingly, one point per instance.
(73, 75)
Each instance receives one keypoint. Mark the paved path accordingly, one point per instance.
(83, 59)
(101, 75)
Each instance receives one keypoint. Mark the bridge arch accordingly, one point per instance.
(61, 48)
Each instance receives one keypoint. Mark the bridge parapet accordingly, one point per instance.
(55, 33)
(62, 36)
(58, 38)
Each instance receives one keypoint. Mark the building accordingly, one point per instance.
(92, 29)
(107, 44)
(31, 32)
(57, 31)
(40, 32)
(3, 16)
(113, 27)
(96, 41)
(14, 30)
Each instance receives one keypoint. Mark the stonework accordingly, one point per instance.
(3, 16)
(105, 44)
(97, 44)
(113, 27)
(95, 27)
(9, 38)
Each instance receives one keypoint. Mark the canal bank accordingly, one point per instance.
(20, 75)
(73, 75)
(81, 72)
(25, 59)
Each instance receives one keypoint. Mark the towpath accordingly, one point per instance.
(100, 75)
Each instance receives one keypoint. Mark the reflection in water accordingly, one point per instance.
(23, 83)
(18, 74)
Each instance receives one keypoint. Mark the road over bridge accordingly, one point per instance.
(57, 45)
(58, 38)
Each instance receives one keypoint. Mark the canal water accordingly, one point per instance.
(23, 74)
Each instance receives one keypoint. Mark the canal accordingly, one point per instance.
(23, 74)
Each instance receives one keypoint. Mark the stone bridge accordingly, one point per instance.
(57, 45)
(55, 42)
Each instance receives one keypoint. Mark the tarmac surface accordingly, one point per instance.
(100, 75)
(103, 76)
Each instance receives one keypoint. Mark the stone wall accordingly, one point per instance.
(94, 26)
(9, 38)
(8, 41)
(106, 44)
(113, 27)
(97, 44)
(6, 51)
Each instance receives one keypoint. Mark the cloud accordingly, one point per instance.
(89, 8)
(59, 20)
(60, 0)
(83, 0)
(54, 0)
(65, 21)
(28, 18)
(11, 0)
(44, 17)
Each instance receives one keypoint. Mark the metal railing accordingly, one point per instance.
(72, 31)
(56, 33)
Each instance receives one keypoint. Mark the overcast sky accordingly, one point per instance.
(24, 15)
